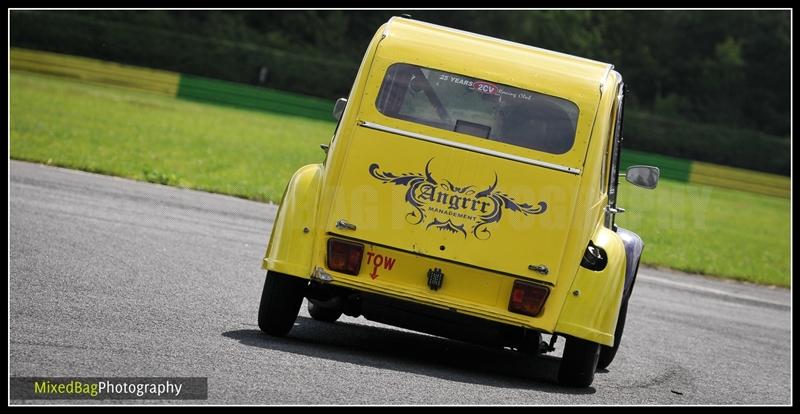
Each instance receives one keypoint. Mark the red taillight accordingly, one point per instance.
(527, 298)
(344, 256)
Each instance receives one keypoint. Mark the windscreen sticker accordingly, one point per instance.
(485, 87)
(480, 86)
(452, 208)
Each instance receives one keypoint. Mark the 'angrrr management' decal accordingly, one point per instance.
(454, 209)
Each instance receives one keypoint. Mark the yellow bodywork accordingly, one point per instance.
(357, 184)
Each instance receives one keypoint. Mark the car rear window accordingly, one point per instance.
(479, 108)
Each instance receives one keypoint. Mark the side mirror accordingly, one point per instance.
(643, 176)
(338, 108)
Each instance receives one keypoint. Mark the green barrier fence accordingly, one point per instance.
(710, 174)
(251, 97)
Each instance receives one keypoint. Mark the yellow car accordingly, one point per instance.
(469, 191)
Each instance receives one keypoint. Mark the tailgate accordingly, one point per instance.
(453, 204)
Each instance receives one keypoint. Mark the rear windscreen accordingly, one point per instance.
(479, 108)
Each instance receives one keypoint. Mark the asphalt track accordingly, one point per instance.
(111, 277)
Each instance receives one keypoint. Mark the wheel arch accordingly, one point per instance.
(634, 245)
(592, 305)
(291, 242)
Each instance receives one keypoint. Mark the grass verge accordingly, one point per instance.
(711, 230)
(159, 139)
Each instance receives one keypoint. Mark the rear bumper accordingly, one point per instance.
(466, 291)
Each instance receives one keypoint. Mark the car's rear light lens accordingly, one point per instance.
(527, 298)
(345, 256)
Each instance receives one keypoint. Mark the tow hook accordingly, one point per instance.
(545, 347)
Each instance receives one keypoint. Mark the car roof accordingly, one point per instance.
(493, 57)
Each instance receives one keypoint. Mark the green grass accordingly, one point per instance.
(250, 154)
(160, 139)
(710, 230)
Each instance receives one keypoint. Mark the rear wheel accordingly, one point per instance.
(280, 303)
(578, 363)
(323, 314)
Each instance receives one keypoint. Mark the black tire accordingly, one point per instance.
(280, 303)
(578, 363)
(323, 314)
(607, 353)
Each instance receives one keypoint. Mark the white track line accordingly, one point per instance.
(709, 290)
